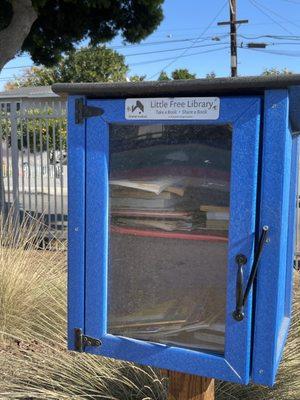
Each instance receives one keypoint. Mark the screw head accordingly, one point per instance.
(238, 315)
(241, 259)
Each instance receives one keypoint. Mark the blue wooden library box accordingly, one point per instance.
(182, 214)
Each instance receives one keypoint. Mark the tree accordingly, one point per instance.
(90, 64)
(163, 76)
(275, 71)
(47, 28)
(181, 73)
(137, 78)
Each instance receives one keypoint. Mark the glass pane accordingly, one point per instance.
(169, 215)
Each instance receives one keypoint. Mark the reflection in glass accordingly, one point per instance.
(169, 215)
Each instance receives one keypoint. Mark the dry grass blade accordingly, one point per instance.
(34, 362)
(26, 272)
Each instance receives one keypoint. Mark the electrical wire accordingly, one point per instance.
(280, 37)
(291, 1)
(145, 53)
(271, 18)
(171, 58)
(18, 67)
(154, 43)
(192, 45)
(134, 45)
(279, 53)
(176, 49)
(275, 13)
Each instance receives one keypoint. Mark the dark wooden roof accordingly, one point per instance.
(195, 87)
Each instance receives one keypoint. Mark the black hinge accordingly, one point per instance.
(82, 111)
(82, 340)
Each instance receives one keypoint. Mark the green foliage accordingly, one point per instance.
(181, 73)
(61, 24)
(90, 64)
(137, 78)
(276, 72)
(43, 134)
(163, 76)
(39, 131)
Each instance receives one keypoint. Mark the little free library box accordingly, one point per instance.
(182, 216)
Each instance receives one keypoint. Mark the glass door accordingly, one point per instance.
(169, 198)
(169, 205)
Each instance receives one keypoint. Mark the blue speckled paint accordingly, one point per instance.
(243, 114)
(277, 210)
(76, 223)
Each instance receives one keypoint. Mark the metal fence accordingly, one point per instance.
(33, 173)
(33, 160)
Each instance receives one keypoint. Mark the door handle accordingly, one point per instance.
(241, 260)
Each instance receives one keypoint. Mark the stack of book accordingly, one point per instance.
(174, 323)
(151, 203)
(216, 217)
(167, 204)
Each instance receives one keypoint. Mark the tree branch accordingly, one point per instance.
(12, 37)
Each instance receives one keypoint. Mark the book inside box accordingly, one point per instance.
(169, 195)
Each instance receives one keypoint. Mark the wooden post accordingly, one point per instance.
(189, 387)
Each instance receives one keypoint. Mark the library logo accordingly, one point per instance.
(137, 107)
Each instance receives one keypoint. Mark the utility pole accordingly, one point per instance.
(233, 35)
(233, 38)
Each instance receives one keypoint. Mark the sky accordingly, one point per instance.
(189, 37)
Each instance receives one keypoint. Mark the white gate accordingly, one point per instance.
(33, 173)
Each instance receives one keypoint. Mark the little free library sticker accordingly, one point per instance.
(173, 108)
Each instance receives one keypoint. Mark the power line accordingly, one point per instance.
(269, 16)
(154, 43)
(292, 2)
(283, 43)
(192, 45)
(275, 13)
(19, 67)
(176, 49)
(153, 61)
(171, 58)
(191, 39)
(280, 37)
(161, 42)
(286, 53)
(143, 53)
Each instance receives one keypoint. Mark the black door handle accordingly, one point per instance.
(241, 260)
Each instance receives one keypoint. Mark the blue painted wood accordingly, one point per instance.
(76, 223)
(277, 210)
(244, 115)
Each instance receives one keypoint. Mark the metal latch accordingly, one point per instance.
(82, 111)
(81, 341)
